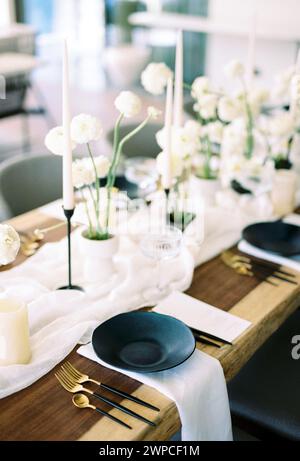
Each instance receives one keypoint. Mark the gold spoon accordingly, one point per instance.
(30, 243)
(82, 401)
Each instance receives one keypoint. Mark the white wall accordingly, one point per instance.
(271, 55)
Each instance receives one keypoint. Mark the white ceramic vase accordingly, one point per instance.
(284, 191)
(125, 63)
(206, 188)
(98, 258)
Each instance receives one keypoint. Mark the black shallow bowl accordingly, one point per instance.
(277, 237)
(124, 186)
(143, 342)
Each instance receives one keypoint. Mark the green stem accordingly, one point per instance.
(97, 182)
(208, 153)
(250, 125)
(87, 212)
(110, 178)
(118, 147)
(121, 145)
(94, 202)
(187, 86)
(290, 145)
(108, 207)
(117, 135)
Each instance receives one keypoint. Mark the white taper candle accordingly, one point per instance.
(167, 171)
(68, 190)
(178, 96)
(250, 67)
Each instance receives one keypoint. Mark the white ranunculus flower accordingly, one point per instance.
(54, 141)
(128, 104)
(192, 129)
(9, 244)
(86, 128)
(185, 140)
(84, 171)
(177, 164)
(229, 109)
(208, 106)
(295, 90)
(83, 175)
(155, 77)
(235, 164)
(279, 146)
(198, 162)
(260, 95)
(214, 131)
(234, 139)
(214, 163)
(200, 87)
(176, 135)
(234, 69)
(282, 124)
(256, 98)
(191, 138)
(154, 113)
(282, 83)
(102, 166)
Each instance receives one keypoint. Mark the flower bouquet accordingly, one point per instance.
(97, 242)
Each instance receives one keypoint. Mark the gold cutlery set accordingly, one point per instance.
(31, 241)
(253, 267)
(72, 380)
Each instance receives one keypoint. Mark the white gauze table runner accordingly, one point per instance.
(61, 319)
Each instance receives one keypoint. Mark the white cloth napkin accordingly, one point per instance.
(291, 262)
(203, 317)
(199, 390)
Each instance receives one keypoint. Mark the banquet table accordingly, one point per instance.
(44, 410)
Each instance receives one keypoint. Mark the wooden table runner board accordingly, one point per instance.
(44, 411)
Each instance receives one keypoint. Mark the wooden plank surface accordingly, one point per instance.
(44, 411)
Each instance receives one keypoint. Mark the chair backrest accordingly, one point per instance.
(189, 109)
(143, 144)
(29, 182)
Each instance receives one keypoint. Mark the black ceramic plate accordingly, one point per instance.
(144, 342)
(124, 186)
(277, 237)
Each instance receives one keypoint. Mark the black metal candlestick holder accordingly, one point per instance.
(70, 286)
(167, 193)
(179, 219)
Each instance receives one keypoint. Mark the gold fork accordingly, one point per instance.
(82, 378)
(71, 386)
(243, 268)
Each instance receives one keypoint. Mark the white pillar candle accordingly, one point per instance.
(14, 333)
(178, 96)
(68, 190)
(250, 67)
(284, 192)
(167, 170)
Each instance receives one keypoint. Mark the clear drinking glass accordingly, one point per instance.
(161, 245)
